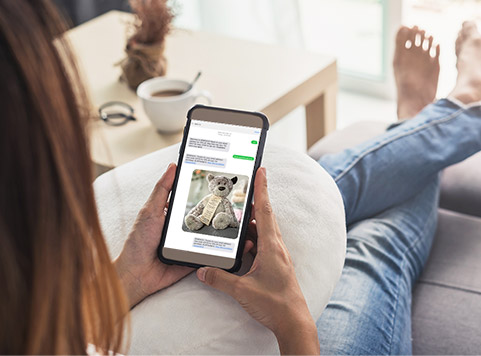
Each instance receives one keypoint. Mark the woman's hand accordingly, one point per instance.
(139, 268)
(269, 292)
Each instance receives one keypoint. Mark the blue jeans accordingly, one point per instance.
(390, 190)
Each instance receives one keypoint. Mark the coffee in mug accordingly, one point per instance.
(166, 102)
(166, 93)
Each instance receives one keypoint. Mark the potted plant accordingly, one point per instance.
(145, 47)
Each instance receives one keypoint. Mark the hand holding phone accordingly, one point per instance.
(269, 292)
(138, 266)
(140, 270)
(211, 197)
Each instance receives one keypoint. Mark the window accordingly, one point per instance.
(357, 32)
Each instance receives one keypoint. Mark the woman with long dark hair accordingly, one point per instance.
(59, 287)
(60, 291)
(61, 294)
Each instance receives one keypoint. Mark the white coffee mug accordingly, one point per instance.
(168, 113)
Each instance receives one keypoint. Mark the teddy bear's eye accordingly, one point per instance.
(218, 183)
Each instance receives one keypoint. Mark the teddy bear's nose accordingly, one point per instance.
(221, 188)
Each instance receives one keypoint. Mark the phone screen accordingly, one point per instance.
(212, 192)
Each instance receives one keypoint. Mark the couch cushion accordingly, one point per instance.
(447, 299)
(461, 187)
(191, 318)
(460, 184)
(455, 258)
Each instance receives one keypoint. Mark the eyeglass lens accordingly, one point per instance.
(116, 113)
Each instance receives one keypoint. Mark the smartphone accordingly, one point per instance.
(210, 202)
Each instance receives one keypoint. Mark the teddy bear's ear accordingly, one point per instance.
(209, 177)
(234, 180)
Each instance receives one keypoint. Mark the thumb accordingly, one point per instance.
(218, 279)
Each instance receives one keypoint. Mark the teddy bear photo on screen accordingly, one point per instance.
(215, 203)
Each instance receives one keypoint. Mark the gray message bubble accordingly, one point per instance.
(205, 161)
(209, 144)
(213, 245)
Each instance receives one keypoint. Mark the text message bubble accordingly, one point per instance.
(247, 158)
(213, 245)
(209, 144)
(205, 161)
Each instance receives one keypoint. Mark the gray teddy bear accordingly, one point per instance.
(215, 208)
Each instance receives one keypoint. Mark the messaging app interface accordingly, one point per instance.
(212, 190)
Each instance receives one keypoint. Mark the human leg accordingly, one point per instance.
(370, 309)
(395, 166)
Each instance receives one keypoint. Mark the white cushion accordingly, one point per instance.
(191, 318)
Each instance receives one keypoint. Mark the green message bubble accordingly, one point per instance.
(247, 158)
(254, 142)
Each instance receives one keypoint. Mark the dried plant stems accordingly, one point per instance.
(153, 23)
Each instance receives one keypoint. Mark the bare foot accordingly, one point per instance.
(416, 70)
(468, 50)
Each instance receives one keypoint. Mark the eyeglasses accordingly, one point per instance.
(116, 113)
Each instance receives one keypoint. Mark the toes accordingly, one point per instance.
(419, 39)
(430, 39)
(428, 44)
(402, 36)
(469, 27)
(434, 52)
(413, 34)
(415, 30)
(468, 30)
(415, 38)
(422, 36)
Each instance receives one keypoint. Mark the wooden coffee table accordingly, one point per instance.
(239, 74)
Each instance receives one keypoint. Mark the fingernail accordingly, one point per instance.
(201, 274)
(265, 172)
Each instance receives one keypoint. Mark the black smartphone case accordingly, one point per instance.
(247, 213)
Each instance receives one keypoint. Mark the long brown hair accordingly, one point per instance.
(59, 291)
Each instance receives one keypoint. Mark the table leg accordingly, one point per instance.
(321, 115)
